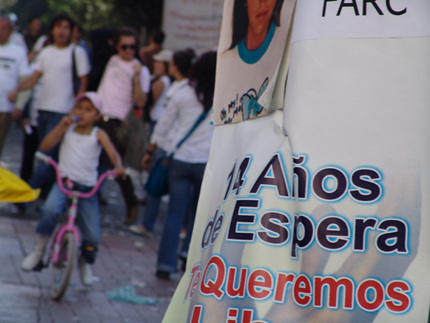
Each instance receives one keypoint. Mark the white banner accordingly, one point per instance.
(192, 24)
(319, 212)
(361, 19)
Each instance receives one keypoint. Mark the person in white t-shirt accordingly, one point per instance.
(13, 66)
(55, 64)
(125, 83)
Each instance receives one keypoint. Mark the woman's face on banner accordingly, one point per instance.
(259, 15)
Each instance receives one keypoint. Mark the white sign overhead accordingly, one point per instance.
(192, 24)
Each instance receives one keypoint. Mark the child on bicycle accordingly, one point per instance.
(78, 160)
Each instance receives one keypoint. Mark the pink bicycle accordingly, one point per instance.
(63, 248)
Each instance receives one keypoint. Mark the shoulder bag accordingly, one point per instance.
(157, 184)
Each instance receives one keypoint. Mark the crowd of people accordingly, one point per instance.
(105, 106)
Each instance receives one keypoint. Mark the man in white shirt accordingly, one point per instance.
(125, 83)
(13, 66)
(56, 63)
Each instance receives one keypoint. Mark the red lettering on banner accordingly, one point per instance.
(197, 314)
(196, 282)
(213, 287)
(248, 315)
(302, 290)
(191, 285)
(378, 299)
(282, 280)
(231, 289)
(260, 284)
(232, 314)
(333, 290)
(400, 301)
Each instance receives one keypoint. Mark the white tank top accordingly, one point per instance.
(79, 156)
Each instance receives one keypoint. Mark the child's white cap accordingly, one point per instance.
(95, 99)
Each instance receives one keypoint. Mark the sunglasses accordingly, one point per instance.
(124, 47)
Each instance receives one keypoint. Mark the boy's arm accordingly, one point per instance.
(84, 84)
(82, 68)
(110, 150)
(28, 83)
(56, 135)
(139, 96)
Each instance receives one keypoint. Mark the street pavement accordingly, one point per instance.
(125, 263)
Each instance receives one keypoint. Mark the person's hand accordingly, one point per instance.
(16, 114)
(120, 171)
(136, 69)
(31, 56)
(66, 121)
(25, 122)
(12, 96)
(146, 162)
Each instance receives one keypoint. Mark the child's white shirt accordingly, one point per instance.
(79, 156)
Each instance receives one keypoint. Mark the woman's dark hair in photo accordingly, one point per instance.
(124, 31)
(240, 20)
(183, 60)
(203, 76)
(55, 21)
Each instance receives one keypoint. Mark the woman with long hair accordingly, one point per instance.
(186, 105)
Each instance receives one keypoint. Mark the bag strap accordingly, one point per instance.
(196, 124)
(75, 72)
(194, 127)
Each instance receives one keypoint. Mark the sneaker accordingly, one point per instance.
(22, 207)
(132, 213)
(140, 230)
(85, 272)
(32, 261)
(163, 274)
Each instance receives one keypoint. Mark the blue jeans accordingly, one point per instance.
(43, 172)
(88, 219)
(185, 180)
(152, 203)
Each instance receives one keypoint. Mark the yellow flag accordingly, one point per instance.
(15, 190)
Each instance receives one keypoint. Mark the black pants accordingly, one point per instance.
(111, 126)
(30, 145)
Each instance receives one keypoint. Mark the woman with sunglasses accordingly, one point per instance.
(125, 83)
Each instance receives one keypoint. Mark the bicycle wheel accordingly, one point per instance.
(64, 268)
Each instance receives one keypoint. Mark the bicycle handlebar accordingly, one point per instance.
(50, 161)
(42, 156)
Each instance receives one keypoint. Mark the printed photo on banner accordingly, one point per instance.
(251, 46)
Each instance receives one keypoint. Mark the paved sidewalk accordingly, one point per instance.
(124, 259)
